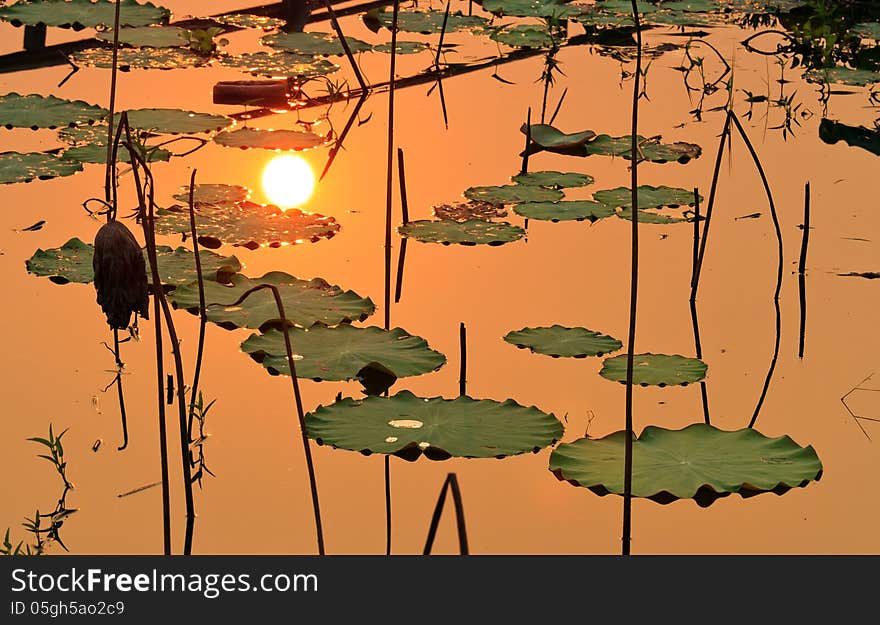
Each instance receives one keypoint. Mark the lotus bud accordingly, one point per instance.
(120, 275)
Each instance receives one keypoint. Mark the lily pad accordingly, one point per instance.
(867, 30)
(212, 193)
(247, 224)
(699, 462)
(648, 197)
(245, 20)
(140, 58)
(402, 47)
(655, 369)
(426, 22)
(548, 137)
(694, 6)
(37, 111)
(625, 6)
(408, 426)
(306, 302)
(97, 153)
(176, 121)
(315, 44)
(513, 194)
(554, 179)
(464, 211)
(336, 354)
(471, 232)
(79, 14)
(523, 36)
(843, 76)
(279, 64)
(26, 166)
(270, 139)
(650, 150)
(559, 341)
(148, 36)
(570, 210)
(531, 8)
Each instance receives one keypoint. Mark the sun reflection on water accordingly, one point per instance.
(288, 181)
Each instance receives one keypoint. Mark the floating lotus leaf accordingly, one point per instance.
(244, 20)
(148, 36)
(140, 58)
(270, 139)
(72, 262)
(531, 8)
(649, 150)
(408, 426)
(554, 179)
(655, 369)
(280, 64)
(306, 302)
(95, 133)
(694, 6)
(523, 36)
(699, 462)
(316, 44)
(472, 232)
(867, 30)
(569, 210)
(25, 166)
(648, 197)
(427, 22)
(79, 14)
(548, 137)
(214, 193)
(843, 76)
(37, 111)
(97, 153)
(513, 194)
(625, 6)
(611, 20)
(648, 217)
(559, 341)
(464, 211)
(246, 224)
(765, 6)
(176, 121)
(335, 354)
(681, 18)
(402, 47)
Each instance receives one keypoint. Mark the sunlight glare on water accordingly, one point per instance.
(288, 181)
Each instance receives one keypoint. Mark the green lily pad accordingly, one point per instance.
(97, 153)
(79, 14)
(650, 217)
(270, 139)
(694, 6)
(427, 22)
(140, 58)
(615, 20)
(648, 197)
(72, 262)
(279, 64)
(625, 6)
(306, 302)
(559, 341)
(554, 179)
(548, 137)
(867, 30)
(245, 20)
(843, 76)
(699, 462)
(315, 44)
(408, 426)
(26, 166)
(655, 369)
(464, 211)
(402, 47)
(568, 210)
(336, 354)
(96, 133)
(148, 36)
(681, 18)
(471, 232)
(513, 194)
(247, 224)
(176, 121)
(523, 36)
(37, 111)
(213, 193)
(653, 151)
(531, 8)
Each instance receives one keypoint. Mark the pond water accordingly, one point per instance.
(568, 273)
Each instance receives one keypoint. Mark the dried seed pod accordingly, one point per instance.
(120, 275)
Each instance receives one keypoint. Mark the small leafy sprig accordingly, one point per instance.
(200, 413)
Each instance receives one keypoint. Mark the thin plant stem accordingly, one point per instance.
(802, 268)
(462, 372)
(442, 36)
(387, 505)
(203, 315)
(693, 303)
(331, 156)
(163, 435)
(451, 483)
(345, 47)
(119, 391)
(525, 161)
(404, 209)
(558, 106)
(109, 174)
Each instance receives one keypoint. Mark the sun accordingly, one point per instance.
(288, 181)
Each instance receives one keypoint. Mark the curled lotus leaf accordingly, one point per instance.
(655, 369)
(26, 166)
(700, 462)
(426, 22)
(402, 47)
(648, 197)
(340, 353)
(315, 44)
(37, 111)
(306, 302)
(512, 194)
(247, 224)
(843, 76)
(566, 210)
(471, 232)
(554, 179)
(140, 58)
(246, 20)
(214, 193)
(523, 36)
(408, 426)
(559, 341)
(272, 64)
(79, 14)
(531, 8)
(464, 211)
(148, 36)
(245, 138)
(548, 137)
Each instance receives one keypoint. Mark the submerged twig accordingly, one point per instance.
(451, 483)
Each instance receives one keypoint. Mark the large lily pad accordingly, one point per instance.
(335, 354)
(140, 58)
(523, 36)
(649, 217)
(559, 341)
(244, 138)
(569, 210)
(148, 36)
(408, 426)
(425, 22)
(214, 193)
(625, 6)
(79, 14)
(843, 76)
(471, 232)
(463, 211)
(402, 47)
(513, 194)
(655, 369)
(26, 166)
(97, 153)
(649, 150)
(315, 44)
(531, 8)
(247, 224)
(306, 302)
(37, 111)
(699, 462)
(272, 64)
(554, 179)
(648, 197)
(176, 121)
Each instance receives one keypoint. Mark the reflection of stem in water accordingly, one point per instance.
(525, 161)
(442, 36)
(404, 208)
(802, 266)
(462, 373)
(119, 390)
(858, 418)
(288, 349)
(693, 303)
(337, 145)
(558, 106)
(451, 483)
(203, 315)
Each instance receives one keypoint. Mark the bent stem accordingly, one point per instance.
(451, 483)
(203, 315)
